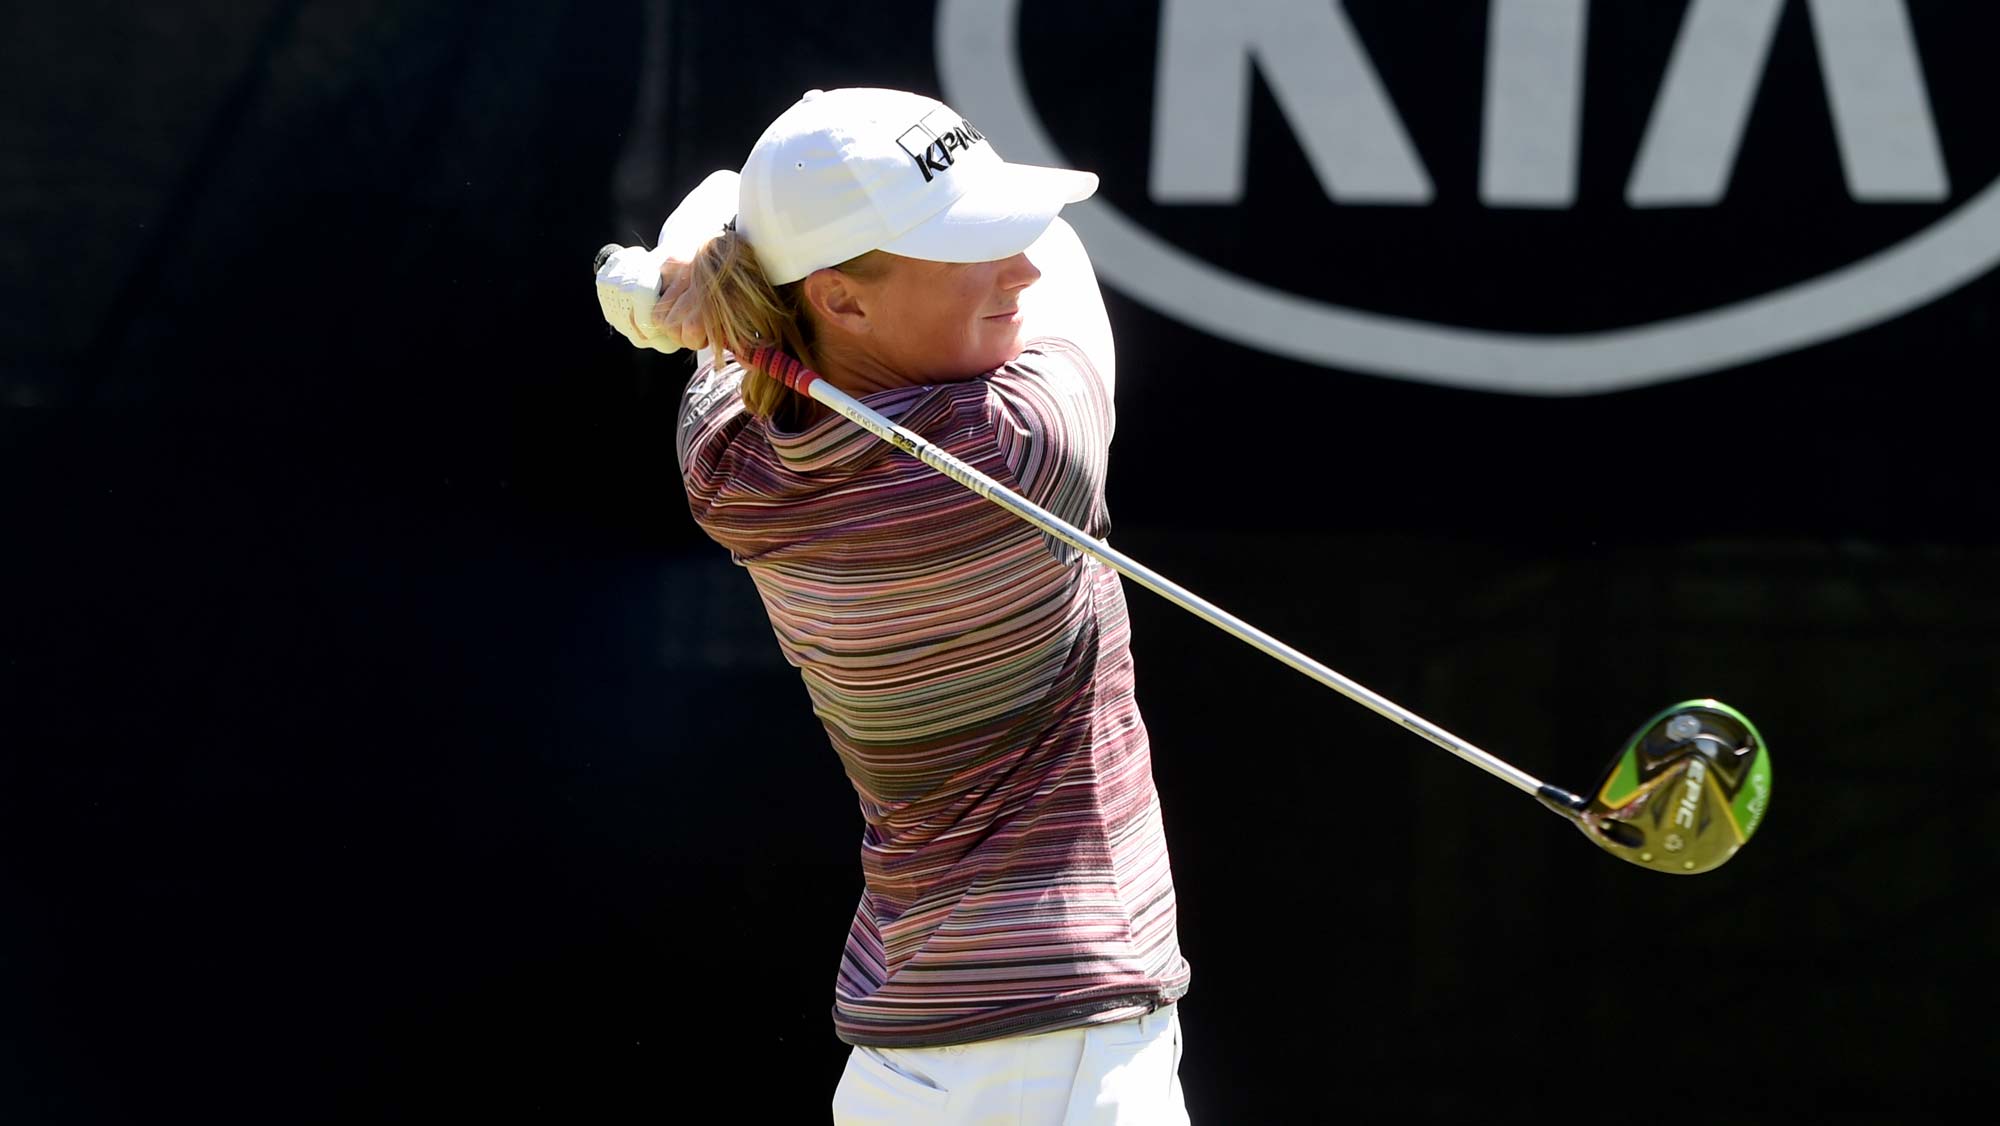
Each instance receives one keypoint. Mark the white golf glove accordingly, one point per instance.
(644, 293)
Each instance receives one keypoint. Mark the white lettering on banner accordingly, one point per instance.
(1324, 81)
(1318, 73)
(1874, 83)
(1534, 103)
(1881, 115)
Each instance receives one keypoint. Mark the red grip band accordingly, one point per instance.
(782, 368)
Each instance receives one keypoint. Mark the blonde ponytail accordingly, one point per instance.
(742, 310)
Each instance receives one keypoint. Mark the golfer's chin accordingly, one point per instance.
(1001, 342)
(994, 342)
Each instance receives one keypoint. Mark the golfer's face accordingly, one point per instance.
(949, 320)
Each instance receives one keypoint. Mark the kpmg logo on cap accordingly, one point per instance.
(934, 143)
(1676, 236)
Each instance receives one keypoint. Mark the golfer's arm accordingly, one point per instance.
(1065, 301)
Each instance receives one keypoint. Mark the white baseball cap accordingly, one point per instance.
(844, 172)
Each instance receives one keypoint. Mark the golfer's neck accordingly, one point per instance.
(859, 373)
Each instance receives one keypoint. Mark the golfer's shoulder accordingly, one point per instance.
(1055, 366)
(1050, 399)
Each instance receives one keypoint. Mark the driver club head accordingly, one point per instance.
(1688, 789)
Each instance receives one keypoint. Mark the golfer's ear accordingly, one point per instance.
(836, 301)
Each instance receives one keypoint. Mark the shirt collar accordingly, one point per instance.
(836, 443)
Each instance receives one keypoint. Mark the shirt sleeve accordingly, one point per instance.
(1053, 418)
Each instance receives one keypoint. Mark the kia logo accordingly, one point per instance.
(1357, 146)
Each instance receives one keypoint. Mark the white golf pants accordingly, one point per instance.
(1124, 1074)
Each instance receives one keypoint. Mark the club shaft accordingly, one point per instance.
(999, 494)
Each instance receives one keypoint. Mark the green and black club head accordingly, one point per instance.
(1688, 789)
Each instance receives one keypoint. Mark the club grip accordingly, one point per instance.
(604, 252)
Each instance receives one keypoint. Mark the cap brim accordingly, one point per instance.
(1001, 217)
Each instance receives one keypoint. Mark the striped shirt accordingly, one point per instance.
(975, 678)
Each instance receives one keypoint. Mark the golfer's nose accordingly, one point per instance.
(1019, 273)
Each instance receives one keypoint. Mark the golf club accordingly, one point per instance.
(1686, 791)
(1683, 794)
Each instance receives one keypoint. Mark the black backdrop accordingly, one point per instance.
(376, 723)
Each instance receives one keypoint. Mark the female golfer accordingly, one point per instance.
(1014, 956)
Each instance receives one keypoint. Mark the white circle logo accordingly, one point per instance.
(980, 68)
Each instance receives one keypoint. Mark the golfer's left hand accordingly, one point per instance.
(629, 288)
(645, 294)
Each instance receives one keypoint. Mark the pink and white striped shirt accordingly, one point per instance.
(975, 678)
